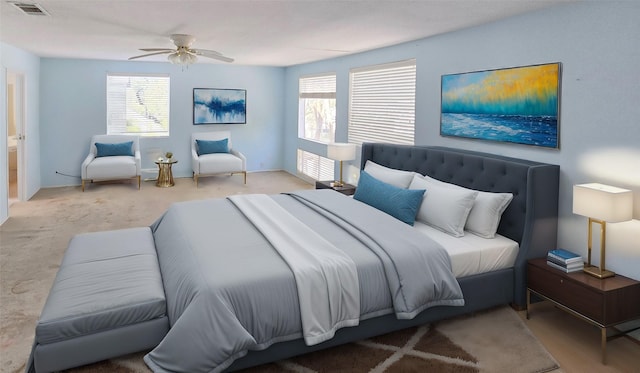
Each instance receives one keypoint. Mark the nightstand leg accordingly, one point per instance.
(603, 342)
(528, 302)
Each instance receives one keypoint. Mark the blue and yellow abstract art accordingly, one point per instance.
(518, 105)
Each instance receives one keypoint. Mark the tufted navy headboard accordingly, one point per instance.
(532, 216)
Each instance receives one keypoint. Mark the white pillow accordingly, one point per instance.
(486, 213)
(398, 178)
(487, 209)
(442, 207)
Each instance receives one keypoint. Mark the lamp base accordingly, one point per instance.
(337, 184)
(597, 272)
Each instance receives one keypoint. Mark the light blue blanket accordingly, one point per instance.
(228, 291)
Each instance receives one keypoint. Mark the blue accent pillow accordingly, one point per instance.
(212, 146)
(110, 150)
(400, 203)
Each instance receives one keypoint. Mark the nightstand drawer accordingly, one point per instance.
(562, 289)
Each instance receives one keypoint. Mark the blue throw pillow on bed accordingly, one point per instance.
(212, 146)
(400, 203)
(116, 149)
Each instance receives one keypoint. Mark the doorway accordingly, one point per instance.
(15, 136)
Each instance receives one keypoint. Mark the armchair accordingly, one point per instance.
(113, 160)
(209, 162)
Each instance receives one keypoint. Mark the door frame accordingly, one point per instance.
(17, 78)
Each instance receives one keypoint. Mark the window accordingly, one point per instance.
(315, 166)
(317, 108)
(382, 103)
(138, 104)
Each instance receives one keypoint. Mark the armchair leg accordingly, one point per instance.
(138, 182)
(245, 176)
(83, 185)
(195, 177)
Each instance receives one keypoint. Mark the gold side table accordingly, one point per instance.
(165, 176)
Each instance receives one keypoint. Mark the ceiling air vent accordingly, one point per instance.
(31, 9)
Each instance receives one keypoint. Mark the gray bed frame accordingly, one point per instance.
(531, 219)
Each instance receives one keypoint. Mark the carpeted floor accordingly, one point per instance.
(490, 341)
(34, 238)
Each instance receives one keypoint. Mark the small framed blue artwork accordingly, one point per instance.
(517, 105)
(219, 106)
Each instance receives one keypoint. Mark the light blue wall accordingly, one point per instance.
(73, 108)
(18, 61)
(598, 44)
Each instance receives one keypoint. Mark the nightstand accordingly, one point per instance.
(604, 303)
(346, 189)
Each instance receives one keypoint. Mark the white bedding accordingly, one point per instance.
(472, 254)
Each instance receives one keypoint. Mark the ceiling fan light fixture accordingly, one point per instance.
(191, 58)
(182, 57)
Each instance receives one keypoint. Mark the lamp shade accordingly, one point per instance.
(603, 202)
(341, 151)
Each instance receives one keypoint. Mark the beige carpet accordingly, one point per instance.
(490, 341)
(33, 240)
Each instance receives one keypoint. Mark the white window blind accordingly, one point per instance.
(138, 104)
(314, 166)
(382, 103)
(318, 86)
(317, 108)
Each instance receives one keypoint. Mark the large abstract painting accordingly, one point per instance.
(519, 105)
(219, 106)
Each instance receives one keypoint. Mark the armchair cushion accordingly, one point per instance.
(113, 167)
(114, 149)
(212, 146)
(217, 163)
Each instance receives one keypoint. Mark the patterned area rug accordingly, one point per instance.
(490, 341)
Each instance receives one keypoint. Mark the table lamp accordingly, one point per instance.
(341, 152)
(601, 204)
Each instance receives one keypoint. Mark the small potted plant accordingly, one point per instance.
(168, 155)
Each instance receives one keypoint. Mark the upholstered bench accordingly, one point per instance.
(107, 300)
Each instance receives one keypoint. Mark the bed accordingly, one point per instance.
(223, 308)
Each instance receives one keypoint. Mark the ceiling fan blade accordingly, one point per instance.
(204, 52)
(220, 58)
(156, 49)
(212, 54)
(151, 54)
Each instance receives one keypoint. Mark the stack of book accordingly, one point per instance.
(565, 260)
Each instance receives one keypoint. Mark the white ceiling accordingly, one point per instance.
(254, 32)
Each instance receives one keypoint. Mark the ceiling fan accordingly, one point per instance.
(183, 54)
